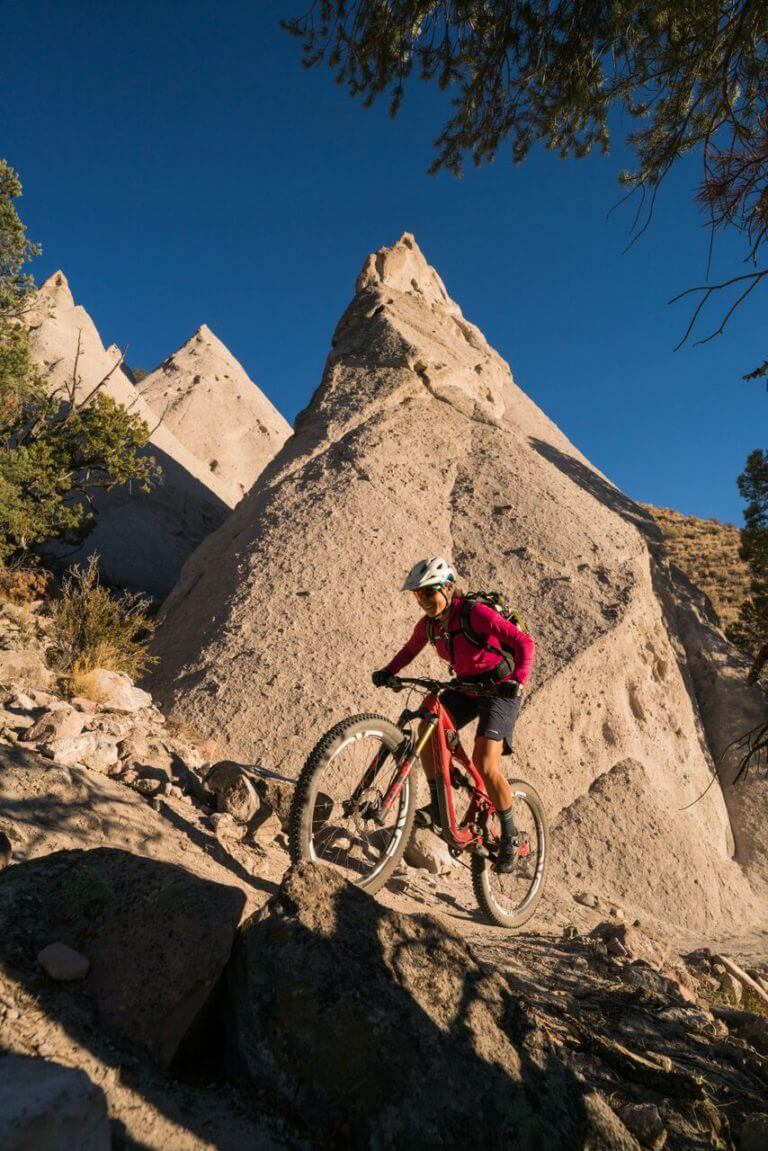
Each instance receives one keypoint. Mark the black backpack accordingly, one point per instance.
(497, 602)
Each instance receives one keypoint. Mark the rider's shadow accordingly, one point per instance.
(382, 1030)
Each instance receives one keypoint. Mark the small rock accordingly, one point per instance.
(22, 701)
(637, 944)
(579, 962)
(731, 988)
(138, 749)
(17, 720)
(63, 723)
(718, 969)
(644, 1121)
(43, 698)
(640, 975)
(278, 795)
(6, 850)
(117, 692)
(82, 703)
(586, 899)
(617, 913)
(425, 850)
(92, 749)
(616, 947)
(147, 785)
(234, 789)
(754, 1133)
(62, 962)
(700, 955)
(570, 932)
(696, 1020)
(225, 826)
(264, 827)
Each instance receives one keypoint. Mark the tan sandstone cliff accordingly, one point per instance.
(419, 442)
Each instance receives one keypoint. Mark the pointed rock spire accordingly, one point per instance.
(204, 396)
(56, 287)
(142, 539)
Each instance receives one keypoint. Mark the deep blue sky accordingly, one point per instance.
(181, 167)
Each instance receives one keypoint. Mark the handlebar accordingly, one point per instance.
(506, 690)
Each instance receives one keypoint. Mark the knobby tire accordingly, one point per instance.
(491, 906)
(309, 784)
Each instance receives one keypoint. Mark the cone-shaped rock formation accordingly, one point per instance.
(142, 538)
(418, 442)
(204, 396)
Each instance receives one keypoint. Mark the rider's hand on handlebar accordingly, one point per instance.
(384, 678)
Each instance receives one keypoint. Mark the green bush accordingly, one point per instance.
(95, 628)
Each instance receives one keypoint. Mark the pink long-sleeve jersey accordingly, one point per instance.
(467, 658)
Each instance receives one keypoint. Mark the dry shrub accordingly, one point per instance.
(23, 583)
(95, 628)
(87, 685)
(708, 552)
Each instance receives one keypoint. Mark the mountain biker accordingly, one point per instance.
(433, 583)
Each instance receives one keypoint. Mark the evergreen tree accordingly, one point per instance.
(750, 632)
(55, 451)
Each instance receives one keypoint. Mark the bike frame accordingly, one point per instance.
(447, 751)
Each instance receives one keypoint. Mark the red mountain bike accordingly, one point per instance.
(355, 803)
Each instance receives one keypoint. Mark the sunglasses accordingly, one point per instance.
(427, 592)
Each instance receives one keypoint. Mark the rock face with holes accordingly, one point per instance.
(143, 538)
(203, 395)
(418, 442)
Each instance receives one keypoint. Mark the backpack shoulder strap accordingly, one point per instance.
(465, 619)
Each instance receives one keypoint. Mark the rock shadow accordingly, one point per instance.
(105, 1017)
(601, 488)
(377, 1029)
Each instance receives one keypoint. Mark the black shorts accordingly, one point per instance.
(497, 716)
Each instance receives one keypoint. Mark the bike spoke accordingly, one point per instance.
(343, 833)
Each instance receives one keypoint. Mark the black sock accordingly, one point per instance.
(433, 803)
(508, 829)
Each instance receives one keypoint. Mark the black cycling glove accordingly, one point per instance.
(381, 677)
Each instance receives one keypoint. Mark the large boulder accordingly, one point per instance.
(47, 1107)
(382, 1030)
(156, 937)
(419, 442)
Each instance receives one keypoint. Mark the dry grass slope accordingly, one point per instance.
(708, 552)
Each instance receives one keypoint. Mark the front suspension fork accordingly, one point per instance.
(405, 767)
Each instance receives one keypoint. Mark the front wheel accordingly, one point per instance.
(338, 817)
(510, 900)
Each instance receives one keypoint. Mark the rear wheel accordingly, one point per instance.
(510, 900)
(338, 821)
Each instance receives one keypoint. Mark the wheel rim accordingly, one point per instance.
(512, 893)
(351, 841)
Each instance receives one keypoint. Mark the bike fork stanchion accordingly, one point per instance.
(396, 786)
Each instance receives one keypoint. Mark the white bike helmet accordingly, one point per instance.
(433, 572)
